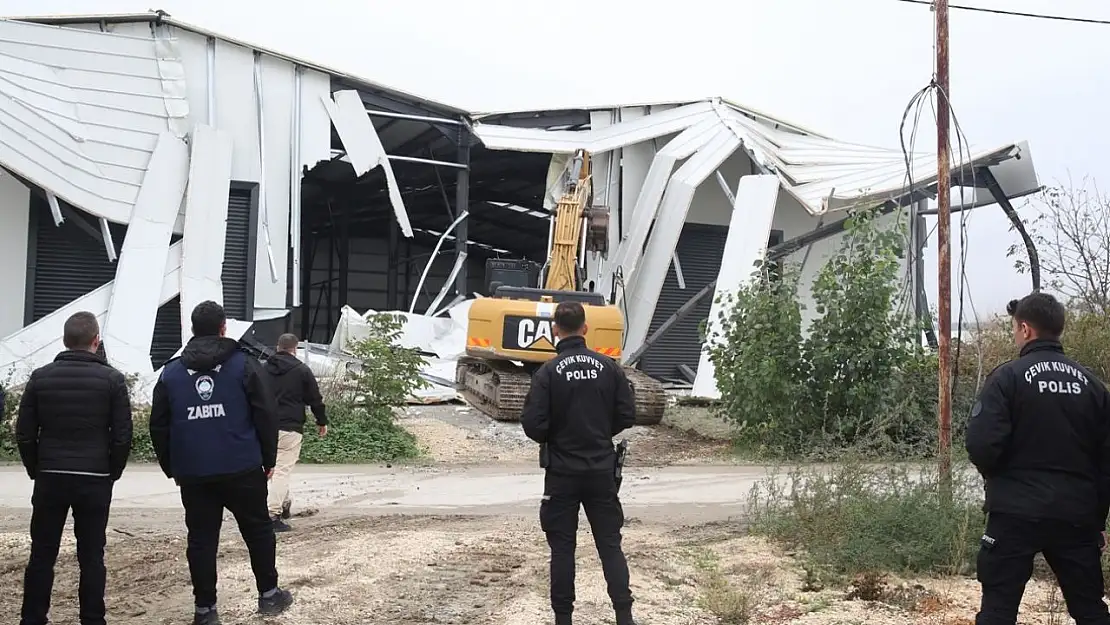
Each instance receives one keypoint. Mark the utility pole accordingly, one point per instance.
(944, 253)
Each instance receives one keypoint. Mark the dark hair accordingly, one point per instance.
(208, 317)
(1040, 311)
(570, 317)
(81, 329)
(287, 342)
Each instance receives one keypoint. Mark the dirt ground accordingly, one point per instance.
(346, 567)
(456, 434)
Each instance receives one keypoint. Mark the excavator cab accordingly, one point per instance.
(510, 334)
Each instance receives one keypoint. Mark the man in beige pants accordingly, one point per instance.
(294, 387)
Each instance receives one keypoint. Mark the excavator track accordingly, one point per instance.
(497, 388)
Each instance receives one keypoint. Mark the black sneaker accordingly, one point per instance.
(286, 510)
(210, 617)
(275, 603)
(280, 525)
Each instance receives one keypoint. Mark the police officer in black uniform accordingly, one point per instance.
(1040, 436)
(214, 430)
(578, 402)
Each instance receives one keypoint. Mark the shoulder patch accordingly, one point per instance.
(976, 409)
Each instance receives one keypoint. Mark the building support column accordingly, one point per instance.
(462, 203)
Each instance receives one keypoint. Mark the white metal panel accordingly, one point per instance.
(315, 123)
(496, 137)
(364, 148)
(647, 281)
(277, 115)
(80, 111)
(193, 49)
(235, 109)
(205, 222)
(37, 344)
(753, 210)
(133, 306)
(635, 162)
(651, 194)
(15, 200)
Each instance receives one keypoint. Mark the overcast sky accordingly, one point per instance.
(846, 68)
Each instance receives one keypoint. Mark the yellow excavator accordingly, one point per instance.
(514, 324)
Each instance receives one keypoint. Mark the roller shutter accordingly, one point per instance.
(235, 277)
(69, 260)
(237, 274)
(699, 250)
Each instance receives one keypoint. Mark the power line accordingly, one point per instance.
(1042, 16)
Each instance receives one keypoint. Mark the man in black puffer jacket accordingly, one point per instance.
(74, 436)
(294, 387)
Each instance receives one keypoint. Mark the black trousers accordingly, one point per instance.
(245, 497)
(597, 493)
(55, 494)
(1006, 562)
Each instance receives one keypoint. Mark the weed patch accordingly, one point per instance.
(856, 520)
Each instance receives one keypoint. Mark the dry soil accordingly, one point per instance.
(348, 566)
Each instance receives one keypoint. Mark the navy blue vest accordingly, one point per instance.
(211, 430)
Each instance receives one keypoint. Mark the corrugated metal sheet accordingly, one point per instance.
(159, 17)
(753, 211)
(700, 249)
(80, 112)
(497, 137)
(235, 276)
(134, 304)
(206, 203)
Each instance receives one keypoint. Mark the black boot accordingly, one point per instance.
(280, 525)
(562, 619)
(276, 603)
(209, 617)
(624, 616)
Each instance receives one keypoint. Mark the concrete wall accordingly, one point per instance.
(14, 202)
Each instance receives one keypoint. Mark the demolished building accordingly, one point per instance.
(151, 164)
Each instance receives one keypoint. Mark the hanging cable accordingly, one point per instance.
(1041, 16)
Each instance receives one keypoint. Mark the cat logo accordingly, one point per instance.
(528, 333)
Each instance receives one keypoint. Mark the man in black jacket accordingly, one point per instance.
(294, 386)
(1040, 436)
(213, 429)
(74, 436)
(578, 402)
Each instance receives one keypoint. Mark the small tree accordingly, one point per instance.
(859, 379)
(757, 356)
(388, 373)
(858, 347)
(1072, 236)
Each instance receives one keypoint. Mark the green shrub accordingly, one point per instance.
(361, 420)
(858, 380)
(359, 434)
(856, 519)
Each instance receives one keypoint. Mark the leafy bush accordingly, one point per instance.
(856, 519)
(359, 434)
(858, 379)
(361, 421)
